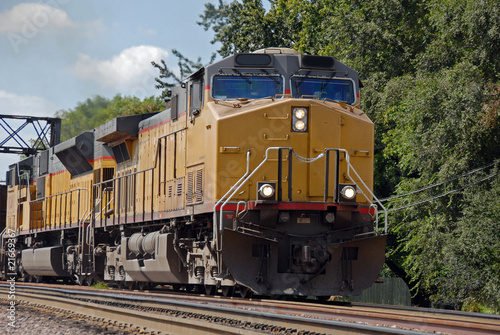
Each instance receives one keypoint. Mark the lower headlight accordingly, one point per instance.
(266, 191)
(348, 192)
(299, 125)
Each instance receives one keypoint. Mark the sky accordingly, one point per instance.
(57, 53)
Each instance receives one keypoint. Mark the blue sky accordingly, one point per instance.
(56, 53)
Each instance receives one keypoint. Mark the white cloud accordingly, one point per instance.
(28, 18)
(130, 71)
(13, 104)
(28, 21)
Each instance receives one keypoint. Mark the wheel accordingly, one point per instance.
(245, 292)
(209, 289)
(176, 287)
(131, 285)
(228, 291)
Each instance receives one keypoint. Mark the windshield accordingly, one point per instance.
(331, 88)
(231, 87)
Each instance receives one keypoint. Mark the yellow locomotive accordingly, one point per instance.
(258, 177)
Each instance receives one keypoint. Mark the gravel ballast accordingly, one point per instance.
(33, 319)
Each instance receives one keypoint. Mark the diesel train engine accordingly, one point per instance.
(257, 177)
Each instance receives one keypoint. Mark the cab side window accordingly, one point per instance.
(196, 97)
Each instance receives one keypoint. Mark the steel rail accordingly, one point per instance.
(424, 319)
(99, 304)
(150, 321)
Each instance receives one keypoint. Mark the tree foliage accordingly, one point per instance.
(168, 78)
(431, 76)
(97, 110)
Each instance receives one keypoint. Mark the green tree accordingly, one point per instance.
(87, 115)
(363, 34)
(438, 126)
(464, 31)
(431, 84)
(168, 79)
(98, 110)
(239, 26)
(474, 268)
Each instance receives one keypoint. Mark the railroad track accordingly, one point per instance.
(176, 313)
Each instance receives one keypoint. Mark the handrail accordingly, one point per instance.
(349, 166)
(67, 192)
(96, 215)
(83, 217)
(215, 233)
(99, 200)
(238, 208)
(238, 185)
(1, 238)
(2, 245)
(235, 188)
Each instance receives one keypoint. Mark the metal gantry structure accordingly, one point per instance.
(47, 129)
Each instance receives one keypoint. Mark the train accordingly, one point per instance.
(257, 178)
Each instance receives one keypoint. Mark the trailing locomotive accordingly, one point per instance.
(256, 178)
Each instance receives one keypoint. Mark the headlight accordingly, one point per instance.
(299, 113)
(300, 125)
(348, 192)
(299, 120)
(266, 191)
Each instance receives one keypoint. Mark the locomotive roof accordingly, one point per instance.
(282, 61)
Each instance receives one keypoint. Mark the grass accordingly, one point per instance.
(101, 285)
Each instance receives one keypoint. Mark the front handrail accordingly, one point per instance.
(215, 233)
(236, 187)
(349, 166)
(244, 179)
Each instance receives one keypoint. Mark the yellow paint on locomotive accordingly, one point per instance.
(264, 123)
(216, 142)
(162, 152)
(198, 159)
(12, 208)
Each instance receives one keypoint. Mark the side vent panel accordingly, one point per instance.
(194, 190)
(198, 194)
(121, 153)
(175, 194)
(189, 191)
